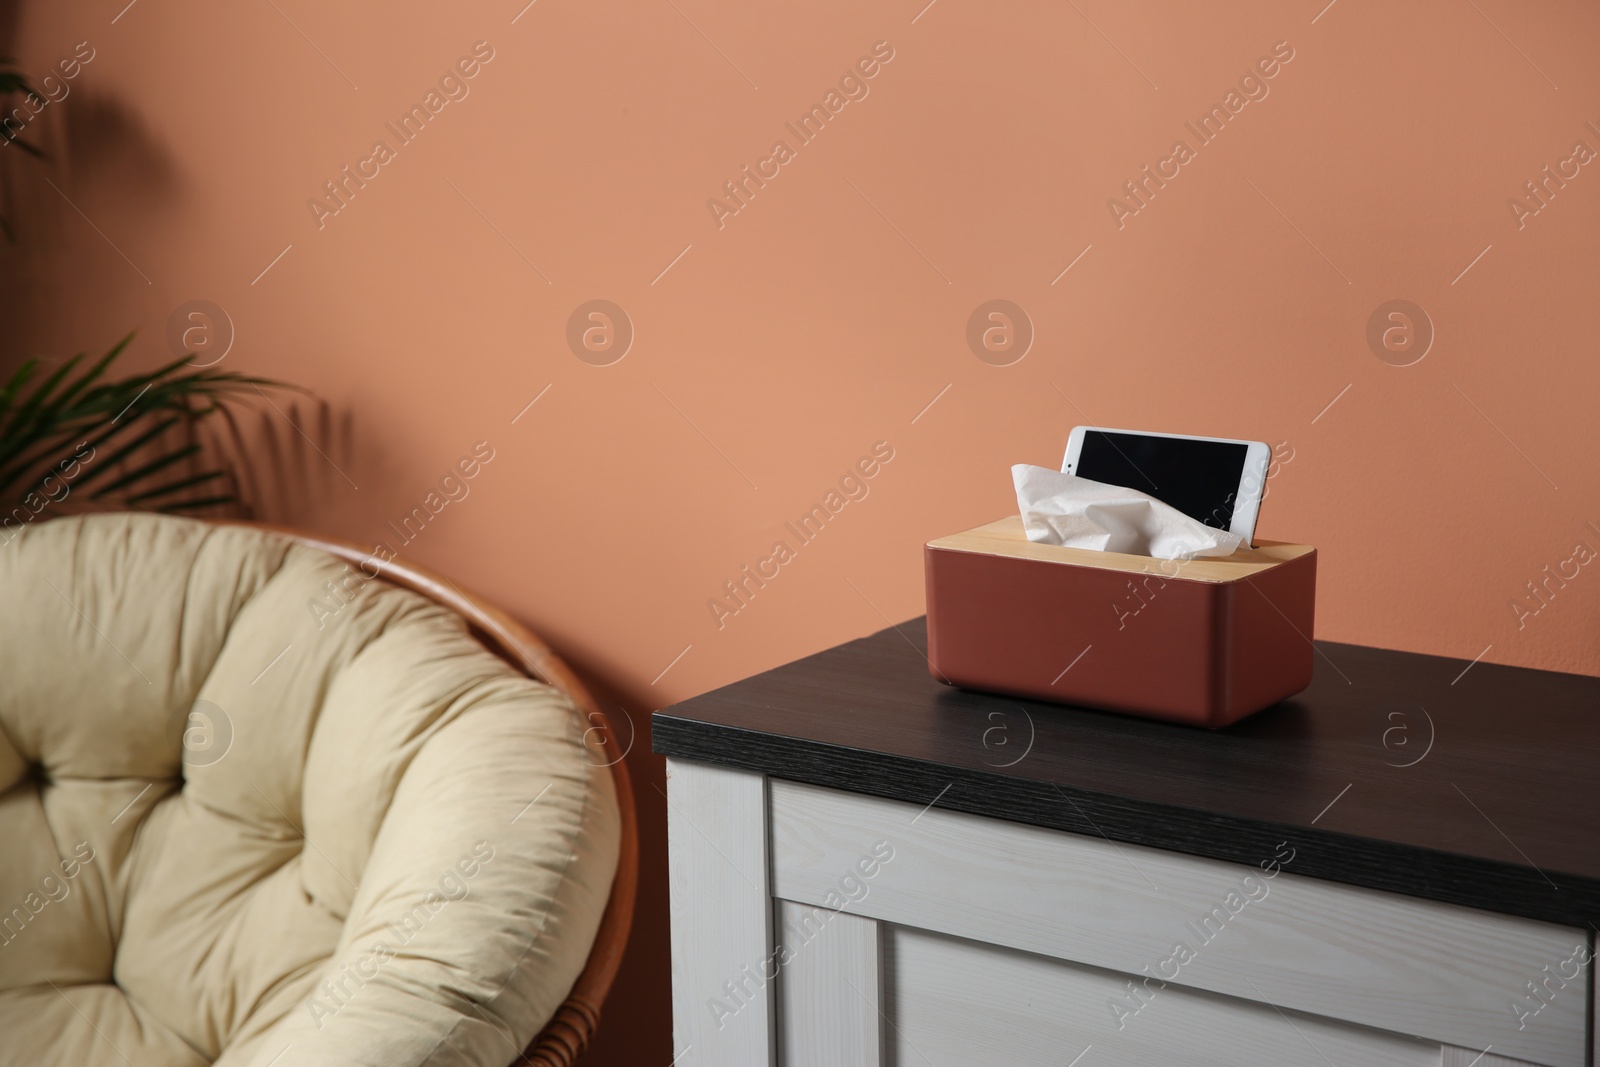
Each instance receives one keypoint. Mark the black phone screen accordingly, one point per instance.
(1199, 478)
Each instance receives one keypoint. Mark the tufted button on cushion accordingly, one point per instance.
(257, 808)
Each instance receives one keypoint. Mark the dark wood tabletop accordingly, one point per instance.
(1472, 784)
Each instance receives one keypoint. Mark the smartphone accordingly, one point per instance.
(1216, 480)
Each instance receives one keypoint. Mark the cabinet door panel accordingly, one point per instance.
(1379, 960)
(830, 997)
(1466, 1057)
(955, 1003)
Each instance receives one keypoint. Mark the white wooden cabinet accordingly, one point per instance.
(815, 927)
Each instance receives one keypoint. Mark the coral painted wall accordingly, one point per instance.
(797, 217)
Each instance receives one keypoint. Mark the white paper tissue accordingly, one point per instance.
(1063, 509)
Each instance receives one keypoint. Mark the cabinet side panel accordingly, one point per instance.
(721, 916)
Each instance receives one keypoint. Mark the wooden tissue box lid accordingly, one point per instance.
(1203, 641)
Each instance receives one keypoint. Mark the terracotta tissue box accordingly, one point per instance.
(1203, 641)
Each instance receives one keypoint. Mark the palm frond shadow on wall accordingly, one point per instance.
(181, 438)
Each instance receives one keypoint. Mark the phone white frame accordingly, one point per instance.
(1252, 477)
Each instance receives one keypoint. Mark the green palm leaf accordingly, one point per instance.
(122, 431)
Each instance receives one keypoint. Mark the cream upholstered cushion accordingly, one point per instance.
(248, 820)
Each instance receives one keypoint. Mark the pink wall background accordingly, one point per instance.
(830, 312)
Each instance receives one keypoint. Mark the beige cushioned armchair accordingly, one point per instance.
(259, 808)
